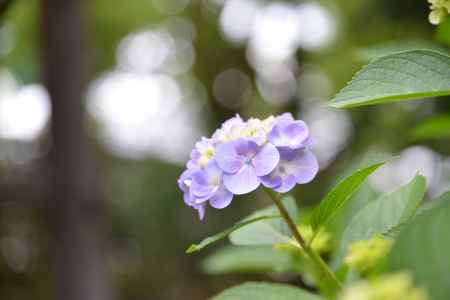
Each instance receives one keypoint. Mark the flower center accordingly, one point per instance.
(206, 156)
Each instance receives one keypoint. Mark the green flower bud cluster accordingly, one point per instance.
(321, 241)
(440, 9)
(320, 244)
(365, 255)
(397, 286)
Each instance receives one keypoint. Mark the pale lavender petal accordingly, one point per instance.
(285, 117)
(287, 184)
(195, 199)
(184, 181)
(274, 135)
(187, 199)
(301, 163)
(232, 121)
(242, 182)
(227, 158)
(271, 180)
(289, 134)
(193, 162)
(201, 186)
(212, 169)
(296, 132)
(221, 199)
(307, 166)
(310, 142)
(266, 160)
(203, 144)
(246, 147)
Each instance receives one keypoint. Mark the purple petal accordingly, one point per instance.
(310, 142)
(266, 160)
(201, 186)
(212, 169)
(242, 182)
(185, 180)
(289, 134)
(187, 198)
(246, 147)
(307, 166)
(232, 121)
(285, 117)
(287, 184)
(221, 199)
(297, 132)
(301, 163)
(203, 144)
(227, 158)
(271, 181)
(295, 167)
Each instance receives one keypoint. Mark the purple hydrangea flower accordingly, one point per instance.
(244, 162)
(243, 154)
(296, 166)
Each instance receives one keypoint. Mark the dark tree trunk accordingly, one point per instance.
(75, 207)
(4, 5)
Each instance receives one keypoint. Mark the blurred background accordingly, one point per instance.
(90, 202)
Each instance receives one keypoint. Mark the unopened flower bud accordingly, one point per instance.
(440, 9)
(364, 255)
(397, 286)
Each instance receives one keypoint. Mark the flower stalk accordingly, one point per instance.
(317, 260)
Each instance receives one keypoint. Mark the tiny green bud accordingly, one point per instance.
(364, 255)
(320, 244)
(397, 286)
(440, 9)
(436, 16)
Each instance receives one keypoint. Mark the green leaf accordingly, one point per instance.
(423, 248)
(265, 291)
(233, 259)
(401, 76)
(268, 215)
(391, 47)
(365, 194)
(339, 195)
(212, 239)
(383, 215)
(423, 208)
(435, 202)
(268, 232)
(263, 233)
(436, 127)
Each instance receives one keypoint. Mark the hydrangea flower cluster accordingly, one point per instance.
(242, 155)
(440, 9)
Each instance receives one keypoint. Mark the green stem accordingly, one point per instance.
(316, 232)
(315, 258)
